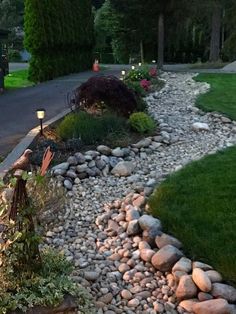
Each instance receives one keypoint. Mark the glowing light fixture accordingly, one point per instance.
(41, 115)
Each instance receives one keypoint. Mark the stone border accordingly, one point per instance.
(189, 286)
(25, 143)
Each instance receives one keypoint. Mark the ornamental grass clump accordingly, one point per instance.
(142, 123)
(91, 129)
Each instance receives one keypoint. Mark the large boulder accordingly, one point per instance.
(214, 276)
(199, 126)
(217, 306)
(166, 257)
(132, 214)
(187, 305)
(123, 169)
(220, 290)
(201, 280)
(104, 150)
(146, 254)
(117, 152)
(148, 222)
(133, 228)
(186, 288)
(63, 166)
(184, 264)
(165, 239)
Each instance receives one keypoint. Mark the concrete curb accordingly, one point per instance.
(25, 143)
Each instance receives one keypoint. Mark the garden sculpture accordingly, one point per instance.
(47, 158)
(23, 162)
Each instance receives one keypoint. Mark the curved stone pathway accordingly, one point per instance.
(92, 236)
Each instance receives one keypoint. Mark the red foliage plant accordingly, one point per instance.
(107, 90)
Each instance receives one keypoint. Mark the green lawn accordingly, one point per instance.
(17, 79)
(198, 206)
(221, 97)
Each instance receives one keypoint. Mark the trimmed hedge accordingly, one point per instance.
(59, 35)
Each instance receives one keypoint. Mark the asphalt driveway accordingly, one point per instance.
(17, 107)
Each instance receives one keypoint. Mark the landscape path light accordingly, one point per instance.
(133, 67)
(41, 115)
(140, 64)
(123, 72)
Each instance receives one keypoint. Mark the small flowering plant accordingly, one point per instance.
(153, 72)
(145, 84)
(138, 74)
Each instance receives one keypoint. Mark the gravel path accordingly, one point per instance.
(80, 232)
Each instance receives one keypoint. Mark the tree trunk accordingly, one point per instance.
(160, 40)
(223, 31)
(141, 51)
(215, 33)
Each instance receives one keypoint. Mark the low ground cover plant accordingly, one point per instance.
(197, 205)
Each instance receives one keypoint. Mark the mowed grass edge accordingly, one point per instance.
(222, 94)
(198, 206)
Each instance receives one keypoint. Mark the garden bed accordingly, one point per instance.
(65, 148)
(101, 114)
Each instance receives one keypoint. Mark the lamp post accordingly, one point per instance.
(140, 64)
(133, 67)
(40, 116)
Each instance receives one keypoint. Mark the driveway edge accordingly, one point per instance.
(25, 143)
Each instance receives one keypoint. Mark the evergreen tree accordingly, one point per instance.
(59, 36)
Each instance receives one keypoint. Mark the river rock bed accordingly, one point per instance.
(115, 257)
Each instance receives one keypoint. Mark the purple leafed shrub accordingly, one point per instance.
(105, 90)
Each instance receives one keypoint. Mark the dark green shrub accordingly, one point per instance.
(89, 128)
(107, 90)
(142, 123)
